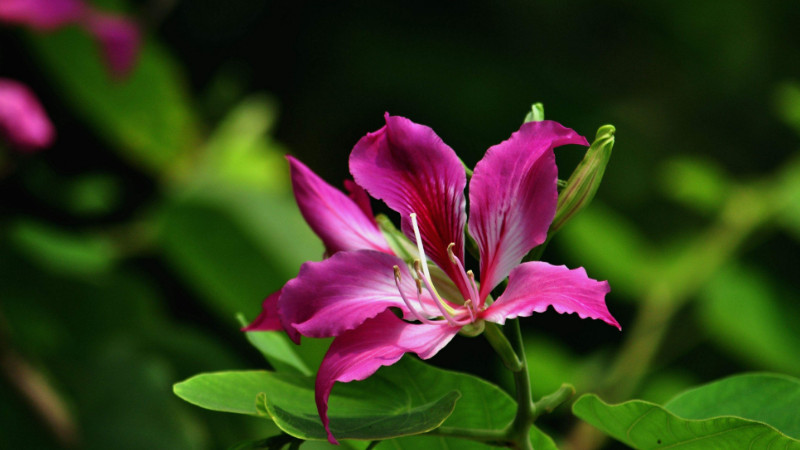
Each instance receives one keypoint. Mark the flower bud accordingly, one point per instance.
(585, 179)
(536, 114)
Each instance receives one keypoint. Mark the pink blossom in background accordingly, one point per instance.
(119, 37)
(119, 40)
(23, 121)
(42, 14)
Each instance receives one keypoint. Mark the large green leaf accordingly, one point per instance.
(748, 411)
(764, 397)
(482, 405)
(375, 409)
(235, 246)
(539, 439)
(233, 392)
(146, 116)
(407, 398)
(354, 411)
(767, 336)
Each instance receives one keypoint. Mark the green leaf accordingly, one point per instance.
(63, 252)
(147, 116)
(235, 247)
(612, 247)
(482, 404)
(278, 349)
(541, 441)
(233, 392)
(377, 408)
(753, 411)
(218, 258)
(763, 397)
(407, 398)
(697, 183)
(767, 336)
(352, 414)
(787, 102)
(239, 152)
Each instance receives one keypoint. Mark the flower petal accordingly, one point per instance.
(513, 197)
(119, 39)
(23, 121)
(380, 341)
(341, 292)
(268, 320)
(358, 195)
(533, 286)
(409, 167)
(42, 14)
(339, 221)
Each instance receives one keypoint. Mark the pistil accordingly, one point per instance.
(421, 268)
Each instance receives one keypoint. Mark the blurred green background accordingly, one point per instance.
(163, 209)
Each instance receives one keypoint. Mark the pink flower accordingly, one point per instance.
(23, 121)
(513, 199)
(119, 38)
(42, 15)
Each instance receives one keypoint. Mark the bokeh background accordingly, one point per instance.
(163, 210)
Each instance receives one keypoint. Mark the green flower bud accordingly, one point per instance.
(584, 181)
(536, 114)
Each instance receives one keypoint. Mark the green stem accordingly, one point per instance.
(552, 401)
(494, 334)
(521, 426)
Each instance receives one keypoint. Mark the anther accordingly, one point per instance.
(474, 287)
(469, 305)
(450, 252)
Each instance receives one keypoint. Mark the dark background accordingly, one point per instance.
(713, 83)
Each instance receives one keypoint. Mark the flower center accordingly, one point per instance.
(456, 316)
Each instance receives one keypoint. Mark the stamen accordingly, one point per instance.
(474, 287)
(469, 283)
(419, 299)
(469, 305)
(421, 268)
(411, 309)
(450, 252)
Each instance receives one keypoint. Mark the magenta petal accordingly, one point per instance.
(338, 220)
(359, 196)
(341, 292)
(119, 40)
(41, 14)
(23, 121)
(513, 197)
(409, 167)
(534, 286)
(268, 320)
(381, 341)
